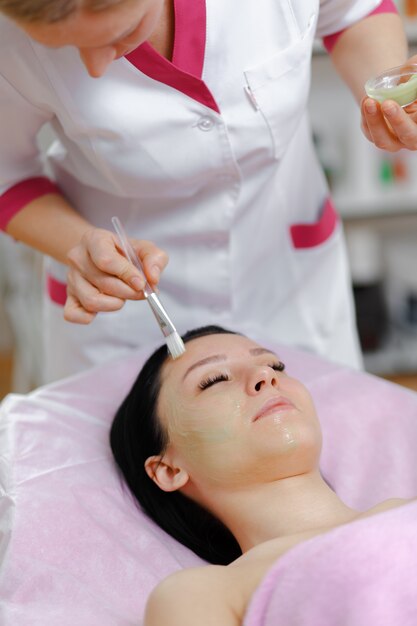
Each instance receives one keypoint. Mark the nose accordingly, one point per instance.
(96, 60)
(260, 378)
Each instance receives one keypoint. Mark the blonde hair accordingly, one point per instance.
(50, 11)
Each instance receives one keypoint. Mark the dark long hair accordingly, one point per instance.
(136, 434)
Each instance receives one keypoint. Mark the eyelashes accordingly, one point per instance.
(212, 380)
(217, 378)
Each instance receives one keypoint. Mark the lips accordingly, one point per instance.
(273, 405)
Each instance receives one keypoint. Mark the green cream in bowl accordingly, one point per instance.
(398, 84)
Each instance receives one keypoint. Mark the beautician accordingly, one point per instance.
(187, 119)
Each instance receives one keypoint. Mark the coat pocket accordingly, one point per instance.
(314, 234)
(56, 290)
(279, 88)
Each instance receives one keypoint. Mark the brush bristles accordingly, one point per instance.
(175, 345)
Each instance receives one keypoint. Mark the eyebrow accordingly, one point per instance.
(216, 358)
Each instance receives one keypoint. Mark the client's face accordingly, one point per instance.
(233, 417)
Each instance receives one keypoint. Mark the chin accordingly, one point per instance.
(298, 451)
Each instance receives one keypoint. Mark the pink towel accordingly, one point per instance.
(362, 574)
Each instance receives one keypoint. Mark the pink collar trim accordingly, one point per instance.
(190, 36)
(185, 71)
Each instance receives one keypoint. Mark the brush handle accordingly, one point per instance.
(130, 254)
(174, 341)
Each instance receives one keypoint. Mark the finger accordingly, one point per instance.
(365, 129)
(401, 123)
(153, 259)
(107, 284)
(106, 257)
(75, 313)
(112, 286)
(411, 109)
(89, 297)
(381, 135)
(364, 123)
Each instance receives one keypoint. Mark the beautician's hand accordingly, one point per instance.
(100, 278)
(389, 126)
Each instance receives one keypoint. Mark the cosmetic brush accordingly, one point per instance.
(173, 340)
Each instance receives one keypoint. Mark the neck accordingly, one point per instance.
(162, 39)
(286, 507)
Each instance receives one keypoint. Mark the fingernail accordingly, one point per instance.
(370, 107)
(156, 272)
(137, 283)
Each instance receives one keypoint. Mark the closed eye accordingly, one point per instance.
(212, 380)
(278, 367)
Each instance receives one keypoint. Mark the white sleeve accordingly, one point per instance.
(336, 15)
(20, 122)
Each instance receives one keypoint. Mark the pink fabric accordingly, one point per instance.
(148, 61)
(56, 290)
(190, 36)
(185, 71)
(360, 575)
(310, 235)
(18, 196)
(386, 6)
(75, 549)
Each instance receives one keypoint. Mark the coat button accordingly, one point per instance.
(206, 124)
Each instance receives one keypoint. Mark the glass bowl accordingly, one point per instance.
(398, 84)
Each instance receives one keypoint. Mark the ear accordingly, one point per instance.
(165, 473)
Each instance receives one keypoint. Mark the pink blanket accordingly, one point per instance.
(362, 574)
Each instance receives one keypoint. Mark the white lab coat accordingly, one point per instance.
(223, 177)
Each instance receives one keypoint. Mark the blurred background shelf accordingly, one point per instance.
(397, 355)
(386, 203)
(375, 193)
(411, 30)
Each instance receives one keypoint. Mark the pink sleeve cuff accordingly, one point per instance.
(18, 196)
(386, 6)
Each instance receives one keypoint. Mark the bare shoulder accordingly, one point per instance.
(214, 594)
(204, 595)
